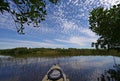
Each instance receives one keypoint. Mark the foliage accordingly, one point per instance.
(25, 11)
(111, 74)
(106, 24)
(49, 52)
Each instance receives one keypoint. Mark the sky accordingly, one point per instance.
(66, 26)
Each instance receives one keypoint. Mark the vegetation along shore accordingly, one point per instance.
(57, 52)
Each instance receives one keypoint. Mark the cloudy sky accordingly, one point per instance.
(66, 26)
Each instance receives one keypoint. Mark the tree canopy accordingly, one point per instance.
(25, 11)
(106, 24)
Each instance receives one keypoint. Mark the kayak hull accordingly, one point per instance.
(55, 67)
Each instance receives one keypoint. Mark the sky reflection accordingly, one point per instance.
(84, 68)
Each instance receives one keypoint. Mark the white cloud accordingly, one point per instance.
(80, 41)
(68, 26)
(43, 29)
(76, 2)
(81, 15)
(67, 18)
(4, 43)
(109, 3)
(87, 32)
(89, 2)
(7, 22)
(55, 43)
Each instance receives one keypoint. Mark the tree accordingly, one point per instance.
(112, 74)
(106, 24)
(25, 11)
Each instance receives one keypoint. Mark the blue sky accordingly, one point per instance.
(66, 26)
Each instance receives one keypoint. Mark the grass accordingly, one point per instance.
(48, 52)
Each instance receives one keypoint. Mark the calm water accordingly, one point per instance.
(78, 68)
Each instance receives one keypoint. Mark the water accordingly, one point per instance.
(77, 68)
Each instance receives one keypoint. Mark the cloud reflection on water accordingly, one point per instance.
(84, 68)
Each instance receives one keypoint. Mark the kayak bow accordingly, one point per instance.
(55, 74)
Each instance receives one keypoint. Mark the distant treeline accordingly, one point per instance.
(23, 51)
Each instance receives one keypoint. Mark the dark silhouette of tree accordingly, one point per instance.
(106, 24)
(25, 11)
(111, 74)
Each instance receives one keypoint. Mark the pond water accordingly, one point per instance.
(77, 68)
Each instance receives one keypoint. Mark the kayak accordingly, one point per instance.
(55, 74)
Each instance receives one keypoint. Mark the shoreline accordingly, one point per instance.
(58, 52)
